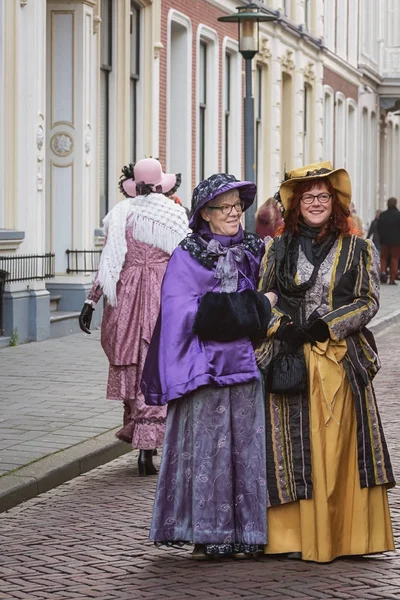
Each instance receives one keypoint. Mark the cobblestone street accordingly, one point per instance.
(88, 539)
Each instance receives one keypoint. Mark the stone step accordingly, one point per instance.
(63, 322)
(4, 341)
(54, 302)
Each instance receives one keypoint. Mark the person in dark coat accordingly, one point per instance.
(373, 231)
(389, 235)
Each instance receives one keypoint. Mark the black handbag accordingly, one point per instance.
(287, 372)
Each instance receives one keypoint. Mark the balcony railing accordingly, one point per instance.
(83, 261)
(27, 267)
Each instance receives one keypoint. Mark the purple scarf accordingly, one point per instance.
(230, 252)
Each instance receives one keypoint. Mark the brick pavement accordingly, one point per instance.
(88, 539)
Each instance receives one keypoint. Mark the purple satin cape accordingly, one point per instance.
(178, 362)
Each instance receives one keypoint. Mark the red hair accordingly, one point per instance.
(339, 222)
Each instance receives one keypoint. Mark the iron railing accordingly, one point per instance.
(27, 267)
(23, 267)
(83, 261)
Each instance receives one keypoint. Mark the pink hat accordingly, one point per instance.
(147, 176)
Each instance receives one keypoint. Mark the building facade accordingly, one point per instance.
(87, 86)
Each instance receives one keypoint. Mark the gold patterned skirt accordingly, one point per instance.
(341, 519)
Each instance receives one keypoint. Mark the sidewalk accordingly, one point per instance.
(55, 422)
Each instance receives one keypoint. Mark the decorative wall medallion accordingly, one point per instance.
(61, 144)
(308, 72)
(40, 137)
(287, 61)
(265, 50)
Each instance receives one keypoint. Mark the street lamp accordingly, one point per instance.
(248, 19)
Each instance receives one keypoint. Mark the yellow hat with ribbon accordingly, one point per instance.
(339, 179)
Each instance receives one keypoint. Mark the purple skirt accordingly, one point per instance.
(212, 483)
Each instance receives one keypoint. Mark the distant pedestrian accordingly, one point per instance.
(141, 234)
(268, 218)
(373, 233)
(358, 224)
(389, 235)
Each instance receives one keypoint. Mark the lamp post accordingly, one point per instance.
(248, 19)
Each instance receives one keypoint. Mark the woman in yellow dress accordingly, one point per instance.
(328, 465)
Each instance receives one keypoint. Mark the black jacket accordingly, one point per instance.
(389, 227)
(373, 233)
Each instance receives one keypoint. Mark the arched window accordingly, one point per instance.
(307, 125)
(351, 140)
(207, 102)
(328, 123)
(106, 65)
(286, 122)
(134, 77)
(232, 108)
(179, 101)
(340, 130)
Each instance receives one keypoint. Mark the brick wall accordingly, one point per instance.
(340, 84)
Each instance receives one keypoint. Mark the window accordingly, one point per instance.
(287, 113)
(341, 28)
(227, 110)
(307, 137)
(202, 109)
(209, 149)
(232, 108)
(307, 14)
(179, 101)
(329, 23)
(328, 123)
(352, 142)
(286, 8)
(340, 131)
(105, 70)
(258, 117)
(134, 76)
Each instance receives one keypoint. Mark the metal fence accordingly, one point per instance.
(23, 267)
(27, 267)
(83, 261)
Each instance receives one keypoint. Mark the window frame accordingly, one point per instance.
(105, 73)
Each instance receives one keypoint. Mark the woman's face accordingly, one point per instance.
(223, 213)
(316, 211)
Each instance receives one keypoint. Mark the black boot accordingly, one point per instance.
(145, 463)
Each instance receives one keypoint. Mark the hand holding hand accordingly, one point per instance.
(293, 335)
(85, 318)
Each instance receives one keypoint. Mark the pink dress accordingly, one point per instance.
(125, 336)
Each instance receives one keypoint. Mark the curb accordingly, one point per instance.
(53, 470)
(380, 324)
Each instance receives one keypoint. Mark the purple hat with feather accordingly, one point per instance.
(215, 185)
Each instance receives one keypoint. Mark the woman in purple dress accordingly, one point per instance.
(211, 489)
(141, 234)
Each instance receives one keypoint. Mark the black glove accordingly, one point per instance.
(319, 330)
(294, 336)
(85, 318)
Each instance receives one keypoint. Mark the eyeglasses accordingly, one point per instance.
(309, 198)
(226, 209)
